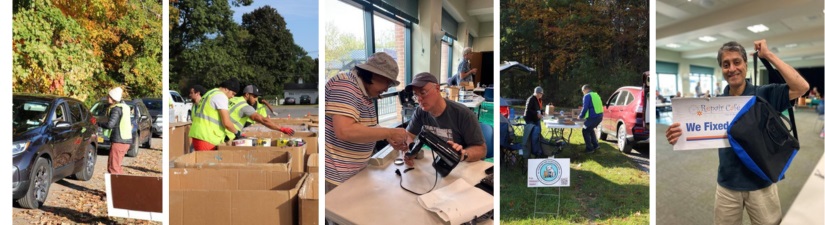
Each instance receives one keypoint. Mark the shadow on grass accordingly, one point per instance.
(590, 198)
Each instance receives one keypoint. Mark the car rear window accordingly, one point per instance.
(630, 98)
(153, 104)
(77, 112)
(101, 108)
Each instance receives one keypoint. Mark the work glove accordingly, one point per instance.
(287, 130)
(238, 135)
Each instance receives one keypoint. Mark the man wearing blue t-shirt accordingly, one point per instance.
(738, 188)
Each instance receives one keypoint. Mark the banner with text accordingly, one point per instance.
(704, 121)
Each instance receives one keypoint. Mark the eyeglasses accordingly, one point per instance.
(423, 93)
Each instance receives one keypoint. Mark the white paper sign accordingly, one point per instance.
(704, 121)
(548, 173)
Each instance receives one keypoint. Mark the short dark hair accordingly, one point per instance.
(197, 88)
(232, 84)
(365, 75)
(730, 47)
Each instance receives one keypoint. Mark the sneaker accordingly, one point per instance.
(590, 151)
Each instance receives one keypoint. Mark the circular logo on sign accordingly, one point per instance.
(549, 172)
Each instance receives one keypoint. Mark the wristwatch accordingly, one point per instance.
(464, 156)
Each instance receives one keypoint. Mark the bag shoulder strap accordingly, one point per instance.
(772, 71)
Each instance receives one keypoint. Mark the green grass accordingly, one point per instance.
(605, 188)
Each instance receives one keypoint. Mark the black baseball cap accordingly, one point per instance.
(252, 89)
(420, 80)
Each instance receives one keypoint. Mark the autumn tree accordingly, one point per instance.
(570, 43)
(87, 47)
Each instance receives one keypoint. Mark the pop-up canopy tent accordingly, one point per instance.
(516, 79)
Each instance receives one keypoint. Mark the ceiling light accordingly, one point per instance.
(707, 38)
(758, 28)
(672, 45)
(791, 45)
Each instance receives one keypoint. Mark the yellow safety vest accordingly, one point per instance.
(206, 122)
(235, 106)
(596, 100)
(261, 110)
(125, 125)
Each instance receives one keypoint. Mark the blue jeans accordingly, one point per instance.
(590, 139)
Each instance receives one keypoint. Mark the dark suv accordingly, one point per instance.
(141, 125)
(155, 107)
(625, 118)
(53, 138)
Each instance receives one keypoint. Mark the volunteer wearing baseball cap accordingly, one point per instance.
(211, 124)
(257, 103)
(241, 111)
(449, 120)
(118, 128)
(351, 119)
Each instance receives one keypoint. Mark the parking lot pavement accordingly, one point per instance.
(72, 201)
(686, 180)
(295, 110)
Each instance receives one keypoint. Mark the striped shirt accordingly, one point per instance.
(345, 96)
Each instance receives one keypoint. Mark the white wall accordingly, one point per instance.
(485, 41)
(426, 52)
(484, 44)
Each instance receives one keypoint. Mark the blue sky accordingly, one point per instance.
(301, 19)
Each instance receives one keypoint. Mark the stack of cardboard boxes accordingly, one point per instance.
(245, 185)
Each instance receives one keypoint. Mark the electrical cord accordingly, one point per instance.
(401, 181)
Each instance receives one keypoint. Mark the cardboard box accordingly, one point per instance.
(312, 163)
(308, 203)
(233, 196)
(311, 144)
(467, 85)
(253, 159)
(313, 127)
(296, 126)
(297, 162)
(276, 135)
(179, 141)
(282, 120)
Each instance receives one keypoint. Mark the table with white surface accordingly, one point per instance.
(373, 196)
(557, 129)
(477, 100)
(809, 204)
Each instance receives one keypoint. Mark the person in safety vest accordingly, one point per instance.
(118, 128)
(241, 111)
(592, 114)
(196, 94)
(211, 124)
(257, 103)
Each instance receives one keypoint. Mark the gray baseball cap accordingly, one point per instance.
(538, 90)
(420, 80)
(384, 65)
(252, 89)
